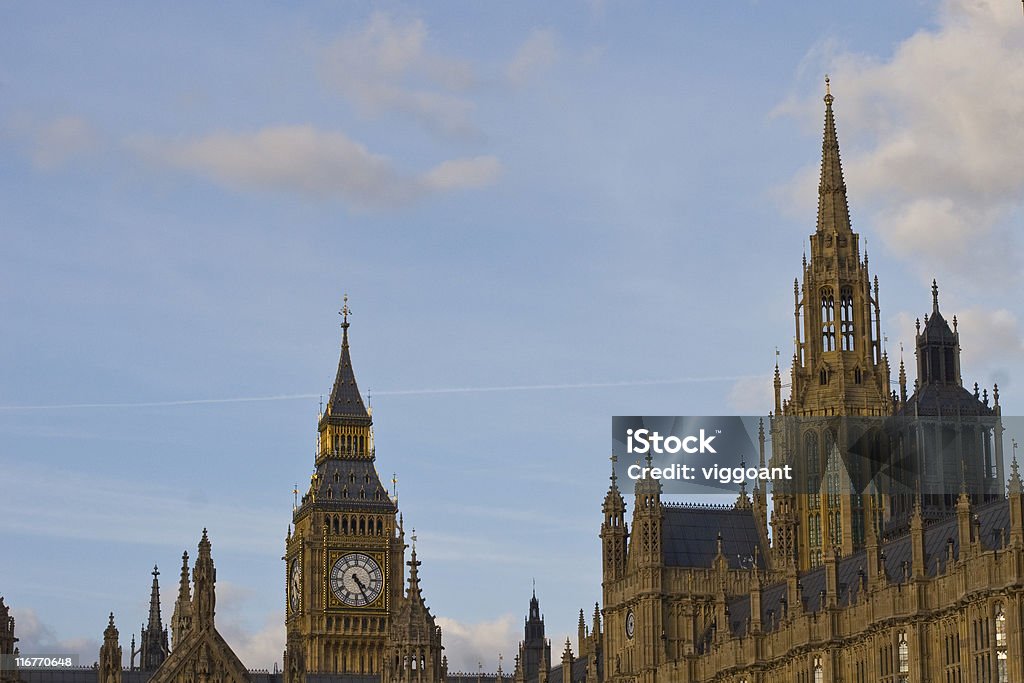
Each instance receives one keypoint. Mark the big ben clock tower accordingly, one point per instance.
(343, 560)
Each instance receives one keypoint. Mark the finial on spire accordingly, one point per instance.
(345, 310)
(1015, 481)
(828, 86)
(614, 478)
(935, 296)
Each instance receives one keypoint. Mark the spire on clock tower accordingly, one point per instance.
(345, 424)
(345, 401)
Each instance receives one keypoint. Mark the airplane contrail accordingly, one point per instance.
(389, 392)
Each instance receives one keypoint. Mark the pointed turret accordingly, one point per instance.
(414, 639)
(581, 632)
(1016, 496)
(833, 210)
(917, 556)
(181, 618)
(613, 531)
(153, 640)
(567, 660)
(645, 546)
(204, 578)
(109, 668)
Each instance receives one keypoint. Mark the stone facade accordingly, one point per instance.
(854, 587)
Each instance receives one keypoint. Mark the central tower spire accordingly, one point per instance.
(840, 371)
(833, 209)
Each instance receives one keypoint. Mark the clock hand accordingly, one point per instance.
(362, 588)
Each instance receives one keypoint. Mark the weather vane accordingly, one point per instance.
(345, 310)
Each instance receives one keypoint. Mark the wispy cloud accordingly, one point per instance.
(386, 392)
(538, 52)
(388, 65)
(314, 163)
(472, 645)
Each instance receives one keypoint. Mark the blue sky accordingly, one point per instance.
(595, 193)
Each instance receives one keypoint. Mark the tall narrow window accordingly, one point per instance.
(903, 655)
(1002, 675)
(828, 320)
(819, 673)
(846, 318)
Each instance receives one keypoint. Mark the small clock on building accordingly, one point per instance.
(630, 624)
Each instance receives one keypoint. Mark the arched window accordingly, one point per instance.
(819, 673)
(823, 377)
(828, 320)
(846, 318)
(857, 376)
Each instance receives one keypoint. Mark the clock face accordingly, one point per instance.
(630, 624)
(356, 579)
(295, 586)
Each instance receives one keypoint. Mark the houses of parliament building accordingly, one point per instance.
(837, 580)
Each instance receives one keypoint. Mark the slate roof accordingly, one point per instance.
(345, 400)
(348, 485)
(934, 399)
(994, 518)
(690, 536)
(579, 671)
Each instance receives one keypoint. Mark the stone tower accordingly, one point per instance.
(535, 650)
(950, 438)
(414, 641)
(343, 561)
(840, 370)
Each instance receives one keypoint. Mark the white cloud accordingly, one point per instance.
(931, 138)
(990, 341)
(36, 637)
(388, 66)
(258, 648)
(469, 645)
(321, 164)
(538, 52)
